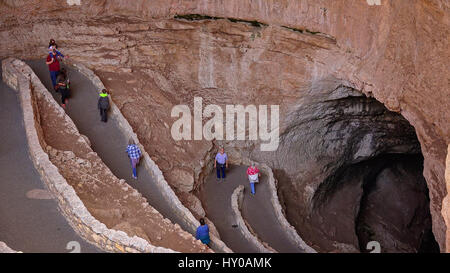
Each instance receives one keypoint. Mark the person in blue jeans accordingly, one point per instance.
(52, 61)
(53, 66)
(253, 176)
(134, 153)
(202, 233)
(220, 163)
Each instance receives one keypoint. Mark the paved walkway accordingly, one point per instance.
(257, 210)
(106, 138)
(27, 224)
(110, 144)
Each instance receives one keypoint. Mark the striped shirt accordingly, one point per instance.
(133, 151)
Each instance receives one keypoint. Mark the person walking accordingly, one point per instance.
(220, 163)
(134, 153)
(63, 86)
(53, 64)
(103, 105)
(52, 43)
(63, 76)
(202, 233)
(253, 176)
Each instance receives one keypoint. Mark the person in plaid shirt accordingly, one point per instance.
(134, 153)
(253, 176)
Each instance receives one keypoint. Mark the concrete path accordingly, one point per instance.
(29, 220)
(110, 144)
(256, 210)
(106, 138)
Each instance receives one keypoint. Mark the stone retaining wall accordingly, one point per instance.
(289, 229)
(216, 244)
(21, 78)
(236, 204)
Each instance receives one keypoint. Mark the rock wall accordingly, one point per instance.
(395, 52)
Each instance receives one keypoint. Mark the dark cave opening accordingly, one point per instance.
(394, 204)
(351, 173)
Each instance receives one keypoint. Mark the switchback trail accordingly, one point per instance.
(110, 144)
(257, 210)
(28, 222)
(106, 139)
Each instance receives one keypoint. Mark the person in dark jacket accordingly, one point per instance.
(63, 77)
(63, 86)
(202, 233)
(103, 104)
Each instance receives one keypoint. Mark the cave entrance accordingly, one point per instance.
(358, 175)
(394, 206)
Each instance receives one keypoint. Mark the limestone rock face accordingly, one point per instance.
(300, 55)
(193, 204)
(212, 228)
(181, 179)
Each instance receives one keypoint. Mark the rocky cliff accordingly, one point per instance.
(316, 59)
